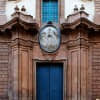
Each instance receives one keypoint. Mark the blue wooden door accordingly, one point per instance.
(49, 81)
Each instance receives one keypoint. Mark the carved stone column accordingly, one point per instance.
(14, 70)
(22, 29)
(77, 66)
(21, 65)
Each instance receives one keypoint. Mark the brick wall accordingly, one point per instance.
(2, 6)
(97, 6)
(96, 72)
(4, 72)
(2, 11)
(97, 12)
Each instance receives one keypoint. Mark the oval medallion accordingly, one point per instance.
(49, 38)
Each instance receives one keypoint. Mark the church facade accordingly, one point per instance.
(49, 50)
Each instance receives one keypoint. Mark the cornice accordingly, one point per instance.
(20, 19)
(80, 22)
(28, 23)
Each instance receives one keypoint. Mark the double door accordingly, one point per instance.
(49, 81)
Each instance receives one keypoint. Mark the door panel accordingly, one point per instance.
(49, 82)
(56, 82)
(43, 82)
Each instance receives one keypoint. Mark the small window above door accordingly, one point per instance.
(49, 11)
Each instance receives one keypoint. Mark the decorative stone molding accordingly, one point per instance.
(78, 42)
(77, 15)
(22, 42)
(75, 9)
(22, 15)
(79, 22)
(22, 19)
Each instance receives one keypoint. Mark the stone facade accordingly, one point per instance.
(20, 52)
